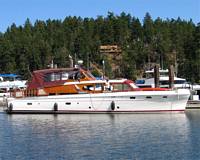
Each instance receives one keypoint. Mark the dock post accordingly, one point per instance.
(156, 76)
(171, 76)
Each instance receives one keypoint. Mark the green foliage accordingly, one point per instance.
(33, 46)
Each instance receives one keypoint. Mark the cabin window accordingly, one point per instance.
(95, 87)
(52, 77)
(64, 75)
(117, 87)
(126, 87)
(121, 87)
(55, 77)
(164, 82)
(3, 90)
(88, 87)
(179, 81)
(175, 82)
(99, 87)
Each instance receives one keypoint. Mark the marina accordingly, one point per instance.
(74, 90)
(99, 80)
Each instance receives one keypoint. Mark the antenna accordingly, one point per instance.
(103, 63)
(71, 61)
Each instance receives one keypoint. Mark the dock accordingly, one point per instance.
(193, 104)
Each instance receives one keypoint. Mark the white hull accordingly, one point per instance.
(117, 102)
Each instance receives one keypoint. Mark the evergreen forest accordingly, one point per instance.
(176, 42)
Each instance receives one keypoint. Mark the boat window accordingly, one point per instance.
(52, 77)
(73, 75)
(121, 87)
(8, 79)
(88, 87)
(117, 87)
(79, 75)
(98, 87)
(140, 81)
(3, 90)
(95, 87)
(56, 76)
(179, 81)
(64, 76)
(164, 82)
(175, 82)
(126, 87)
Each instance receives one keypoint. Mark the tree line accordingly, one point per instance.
(29, 47)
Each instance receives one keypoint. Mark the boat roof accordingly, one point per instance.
(9, 75)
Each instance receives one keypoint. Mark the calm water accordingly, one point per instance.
(100, 136)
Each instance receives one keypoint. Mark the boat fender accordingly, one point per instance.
(10, 107)
(112, 105)
(55, 107)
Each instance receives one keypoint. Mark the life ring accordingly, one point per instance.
(112, 105)
(55, 107)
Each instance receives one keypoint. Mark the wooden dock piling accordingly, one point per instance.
(171, 76)
(156, 76)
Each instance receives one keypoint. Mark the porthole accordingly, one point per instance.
(148, 97)
(132, 97)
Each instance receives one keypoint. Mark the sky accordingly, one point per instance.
(17, 11)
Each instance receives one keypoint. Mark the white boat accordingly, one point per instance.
(9, 82)
(113, 96)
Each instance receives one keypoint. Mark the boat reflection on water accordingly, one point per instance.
(193, 138)
(101, 136)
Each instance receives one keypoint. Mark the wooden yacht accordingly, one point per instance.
(75, 90)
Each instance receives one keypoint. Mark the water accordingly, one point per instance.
(100, 136)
